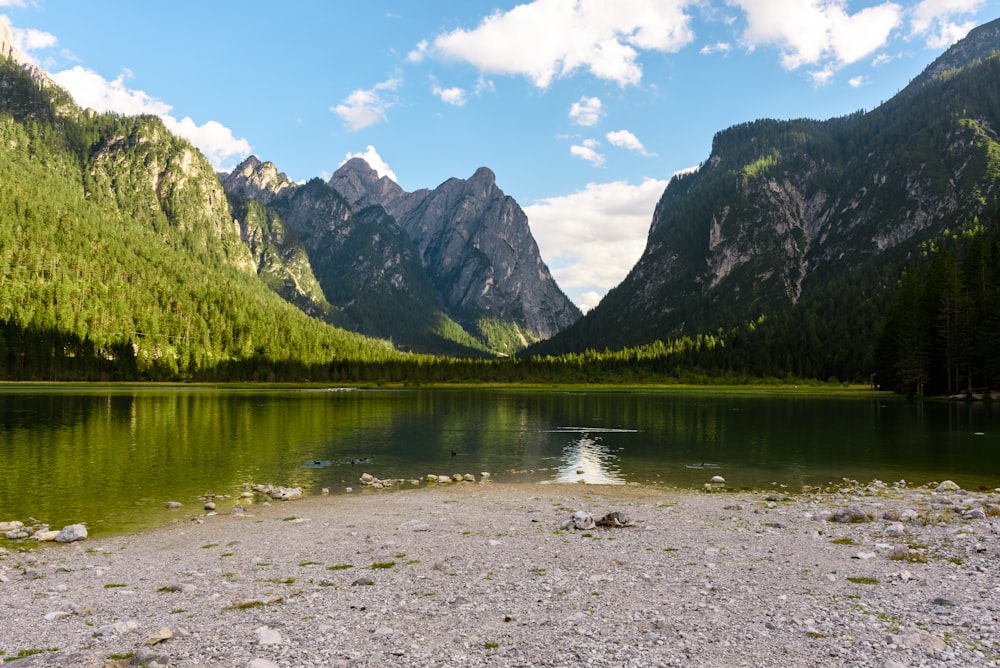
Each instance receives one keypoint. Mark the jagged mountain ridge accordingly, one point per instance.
(786, 213)
(476, 247)
(365, 264)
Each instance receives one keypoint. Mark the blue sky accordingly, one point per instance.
(584, 109)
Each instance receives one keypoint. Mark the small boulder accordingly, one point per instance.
(174, 505)
(268, 636)
(852, 513)
(718, 480)
(947, 486)
(71, 533)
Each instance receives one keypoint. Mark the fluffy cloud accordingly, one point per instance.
(818, 32)
(30, 39)
(593, 237)
(604, 38)
(586, 111)
(934, 21)
(374, 161)
(587, 150)
(625, 139)
(452, 96)
(90, 89)
(365, 107)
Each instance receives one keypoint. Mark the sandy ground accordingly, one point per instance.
(482, 574)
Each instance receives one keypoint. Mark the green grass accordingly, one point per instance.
(339, 567)
(863, 580)
(25, 653)
(383, 564)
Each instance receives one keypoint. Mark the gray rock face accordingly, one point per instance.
(256, 180)
(475, 245)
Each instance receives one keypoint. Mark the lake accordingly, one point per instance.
(112, 456)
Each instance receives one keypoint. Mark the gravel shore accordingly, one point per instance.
(477, 574)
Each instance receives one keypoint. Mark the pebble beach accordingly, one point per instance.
(514, 574)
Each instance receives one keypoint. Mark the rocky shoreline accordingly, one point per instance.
(499, 574)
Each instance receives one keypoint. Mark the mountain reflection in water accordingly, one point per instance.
(588, 460)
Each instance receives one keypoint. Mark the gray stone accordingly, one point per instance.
(71, 533)
(947, 486)
(852, 513)
(895, 530)
(118, 628)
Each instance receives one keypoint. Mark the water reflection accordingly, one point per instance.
(587, 459)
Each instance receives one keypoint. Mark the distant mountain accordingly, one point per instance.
(365, 264)
(476, 247)
(802, 227)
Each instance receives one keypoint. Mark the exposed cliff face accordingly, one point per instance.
(163, 180)
(477, 248)
(781, 210)
(365, 264)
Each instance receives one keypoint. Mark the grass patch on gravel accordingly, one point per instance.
(25, 653)
(844, 540)
(339, 567)
(863, 580)
(383, 564)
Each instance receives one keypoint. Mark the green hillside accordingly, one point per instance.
(119, 257)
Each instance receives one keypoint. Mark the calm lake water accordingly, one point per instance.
(113, 456)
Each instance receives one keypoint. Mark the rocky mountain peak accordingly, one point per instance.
(361, 185)
(256, 180)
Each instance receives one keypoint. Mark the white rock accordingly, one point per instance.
(717, 479)
(267, 636)
(261, 663)
(11, 526)
(947, 486)
(45, 535)
(895, 530)
(366, 479)
(443, 478)
(56, 615)
(71, 533)
(118, 628)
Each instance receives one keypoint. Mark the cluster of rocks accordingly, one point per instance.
(368, 480)
(40, 531)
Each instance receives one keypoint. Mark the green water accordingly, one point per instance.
(113, 456)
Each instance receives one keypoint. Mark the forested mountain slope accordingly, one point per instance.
(120, 258)
(791, 238)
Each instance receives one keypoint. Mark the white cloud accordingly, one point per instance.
(718, 47)
(374, 161)
(419, 53)
(856, 82)
(604, 38)
(934, 21)
(484, 85)
(452, 96)
(27, 40)
(593, 237)
(90, 89)
(625, 139)
(365, 107)
(587, 150)
(586, 111)
(12, 3)
(818, 32)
